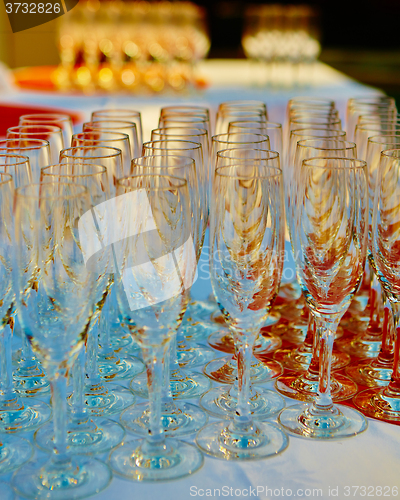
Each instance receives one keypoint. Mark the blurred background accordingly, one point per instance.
(358, 38)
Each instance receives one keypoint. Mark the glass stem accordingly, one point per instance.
(154, 365)
(59, 402)
(166, 385)
(325, 331)
(6, 378)
(92, 348)
(104, 329)
(244, 352)
(313, 368)
(78, 377)
(394, 385)
(376, 304)
(386, 353)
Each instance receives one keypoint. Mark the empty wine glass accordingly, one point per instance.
(54, 296)
(156, 265)
(57, 119)
(383, 403)
(329, 241)
(14, 451)
(51, 133)
(246, 260)
(84, 434)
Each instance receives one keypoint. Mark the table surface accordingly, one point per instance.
(307, 468)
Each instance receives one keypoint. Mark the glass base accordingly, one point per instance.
(6, 493)
(121, 342)
(221, 402)
(135, 460)
(298, 359)
(200, 310)
(337, 423)
(190, 357)
(104, 400)
(304, 386)
(198, 331)
(379, 403)
(362, 346)
(224, 370)
(23, 415)
(365, 373)
(88, 436)
(258, 440)
(178, 419)
(31, 386)
(85, 476)
(184, 384)
(272, 319)
(14, 452)
(112, 368)
(222, 340)
(30, 380)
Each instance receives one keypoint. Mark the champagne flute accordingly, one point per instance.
(84, 434)
(155, 265)
(106, 138)
(51, 133)
(246, 260)
(329, 240)
(367, 336)
(14, 451)
(57, 119)
(54, 296)
(383, 402)
(123, 126)
(37, 150)
(121, 114)
(178, 418)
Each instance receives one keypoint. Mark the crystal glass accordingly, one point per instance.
(192, 134)
(54, 297)
(367, 105)
(51, 133)
(184, 383)
(84, 434)
(222, 401)
(364, 130)
(121, 114)
(366, 340)
(329, 241)
(29, 377)
(183, 147)
(57, 119)
(37, 150)
(383, 403)
(246, 260)
(178, 418)
(14, 451)
(185, 120)
(325, 132)
(123, 126)
(18, 167)
(302, 383)
(110, 366)
(272, 129)
(156, 265)
(105, 138)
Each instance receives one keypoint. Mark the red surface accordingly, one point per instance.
(10, 113)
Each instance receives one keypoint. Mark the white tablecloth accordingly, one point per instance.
(307, 468)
